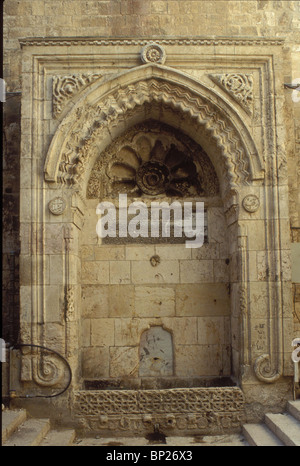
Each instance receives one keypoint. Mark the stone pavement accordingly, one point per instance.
(218, 440)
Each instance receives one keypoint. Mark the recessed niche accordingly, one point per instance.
(156, 353)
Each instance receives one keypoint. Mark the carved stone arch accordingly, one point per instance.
(152, 91)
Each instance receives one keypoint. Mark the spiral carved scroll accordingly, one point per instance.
(263, 369)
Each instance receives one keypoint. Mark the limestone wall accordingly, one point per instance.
(107, 273)
(187, 294)
(151, 18)
(140, 18)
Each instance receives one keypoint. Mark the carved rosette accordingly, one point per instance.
(57, 205)
(153, 53)
(251, 203)
(239, 86)
(64, 87)
(152, 159)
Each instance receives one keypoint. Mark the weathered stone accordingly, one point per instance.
(124, 361)
(154, 301)
(202, 299)
(95, 362)
(156, 353)
(201, 115)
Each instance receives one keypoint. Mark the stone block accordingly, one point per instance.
(119, 272)
(121, 300)
(102, 332)
(109, 253)
(207, 251)
(53, 306)
(202, 299)
(194, 271)
(221, 271)
(93, 273)
(95, 301)
(87, 253)
(198, 360)
(124, 361)
(95, 362)
(154, 301)
(183, 329)
(212, 330)
(54, 336)
(216, 225)
(173, 252)
(139, 252)
(164, 272)
(53, 239)
(86, 332)
(26, 303)
(128, 331)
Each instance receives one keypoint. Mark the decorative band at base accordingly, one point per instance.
(188, 410)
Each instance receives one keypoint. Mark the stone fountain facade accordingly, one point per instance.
(194, 340)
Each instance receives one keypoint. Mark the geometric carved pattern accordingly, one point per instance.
(239, 86)
(152, 158)
(64, 87)
(79, 149)
(181, 400)
(210, 408)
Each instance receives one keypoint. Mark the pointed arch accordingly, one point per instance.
(109, 107)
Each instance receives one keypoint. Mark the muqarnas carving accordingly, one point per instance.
(153, 159)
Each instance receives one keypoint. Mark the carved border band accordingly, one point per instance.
(181, 400)
(207, 409)
(68, 41)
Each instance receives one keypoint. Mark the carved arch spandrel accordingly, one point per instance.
(108, 108)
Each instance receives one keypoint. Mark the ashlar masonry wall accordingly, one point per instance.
(72, 288)
(187, 293)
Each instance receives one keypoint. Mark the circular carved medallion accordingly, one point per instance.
(57, 206)
(153, 53)
(153, 177)
(251, 203)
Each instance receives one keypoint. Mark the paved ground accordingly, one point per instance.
(218, 440)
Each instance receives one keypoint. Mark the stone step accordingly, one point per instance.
(258, 435)
(285, 427)
(59, 438)
(29, 434)
(293, 408)
(11, 420)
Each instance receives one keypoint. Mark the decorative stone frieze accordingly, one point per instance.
(185, 409)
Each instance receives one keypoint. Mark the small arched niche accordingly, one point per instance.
(156, 357)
